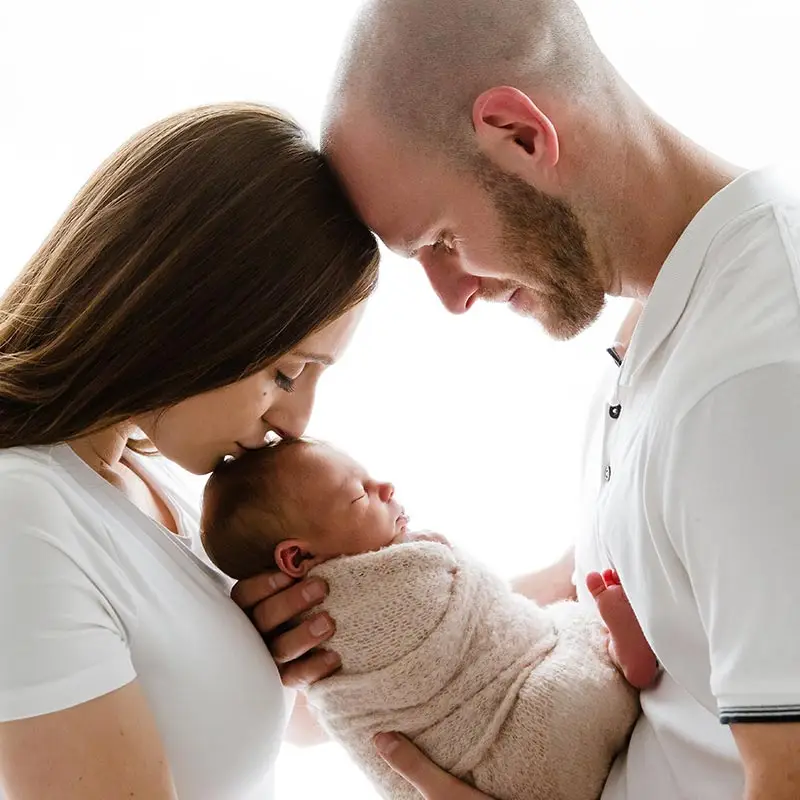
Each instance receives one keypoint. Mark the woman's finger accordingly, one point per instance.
(302, 672)
(278, 609)
(249, 592)
(431, 781)
(301, 639)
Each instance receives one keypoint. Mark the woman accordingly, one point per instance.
(186, 303)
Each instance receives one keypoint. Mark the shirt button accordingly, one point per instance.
(607, 472)
(614, 411)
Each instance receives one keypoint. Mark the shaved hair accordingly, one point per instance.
(420, 64)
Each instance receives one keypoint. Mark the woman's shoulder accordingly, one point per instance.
(25, 470)
(34, 458)
(36, 491)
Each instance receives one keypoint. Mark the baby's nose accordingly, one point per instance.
(385, 492)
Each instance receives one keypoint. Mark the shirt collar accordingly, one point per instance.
(679, 273)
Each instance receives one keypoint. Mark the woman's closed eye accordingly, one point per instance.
(284, 382)
(287, 382)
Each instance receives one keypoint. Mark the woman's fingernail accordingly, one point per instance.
(331, 659)
(386, 743)
(314, 591)
(320, 626)
(280, 581)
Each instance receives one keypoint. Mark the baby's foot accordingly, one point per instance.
(627, 646)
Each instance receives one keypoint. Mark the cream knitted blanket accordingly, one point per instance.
(518, 700)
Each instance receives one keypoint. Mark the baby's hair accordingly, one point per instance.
(247, 510)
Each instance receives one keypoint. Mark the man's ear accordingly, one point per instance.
(294, 557)
(515, 133)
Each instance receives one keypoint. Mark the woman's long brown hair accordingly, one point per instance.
(202, 250)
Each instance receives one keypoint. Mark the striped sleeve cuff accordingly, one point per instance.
(736, 715)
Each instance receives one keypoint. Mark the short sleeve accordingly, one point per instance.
(61, 643)
(732, 508)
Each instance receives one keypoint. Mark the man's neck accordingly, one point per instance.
(672, 179)
(643, 193)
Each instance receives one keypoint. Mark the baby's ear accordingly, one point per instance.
(294, 557)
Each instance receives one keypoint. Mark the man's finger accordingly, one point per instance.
(302, 672)
(298, 641)
(278, 609)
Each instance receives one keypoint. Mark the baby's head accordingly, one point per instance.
(293, 505)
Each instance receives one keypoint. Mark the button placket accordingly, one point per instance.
(614, 412)
(617, 399)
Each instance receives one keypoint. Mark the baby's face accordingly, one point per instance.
(355, 513)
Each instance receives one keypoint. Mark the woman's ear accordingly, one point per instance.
(294, 557)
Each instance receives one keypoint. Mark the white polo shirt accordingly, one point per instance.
(693, 481)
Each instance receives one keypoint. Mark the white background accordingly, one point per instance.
(477, 420)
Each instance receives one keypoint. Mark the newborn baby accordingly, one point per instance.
(522, 702)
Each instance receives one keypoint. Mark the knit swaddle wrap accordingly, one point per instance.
(520, 701)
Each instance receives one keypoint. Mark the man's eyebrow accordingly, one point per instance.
(314, 357)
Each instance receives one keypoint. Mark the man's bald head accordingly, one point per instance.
(420, 64)
(467, 133)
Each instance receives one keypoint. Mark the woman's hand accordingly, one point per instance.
(274, 601)
(432, 782)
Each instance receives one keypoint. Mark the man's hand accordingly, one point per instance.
(432, 782)
(551, 584)
(771, 757)
(274, 601)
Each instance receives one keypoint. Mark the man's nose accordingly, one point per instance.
(385, 492)
(455, 287)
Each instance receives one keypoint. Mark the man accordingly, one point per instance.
(492, 141)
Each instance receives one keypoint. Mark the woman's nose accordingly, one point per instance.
(385, 492)
(289, 418)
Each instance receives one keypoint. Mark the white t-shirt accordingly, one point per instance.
(693, 490)
(95, 594)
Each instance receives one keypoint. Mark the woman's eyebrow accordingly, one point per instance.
(316, 358)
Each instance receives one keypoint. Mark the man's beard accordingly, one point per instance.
(547, 251)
